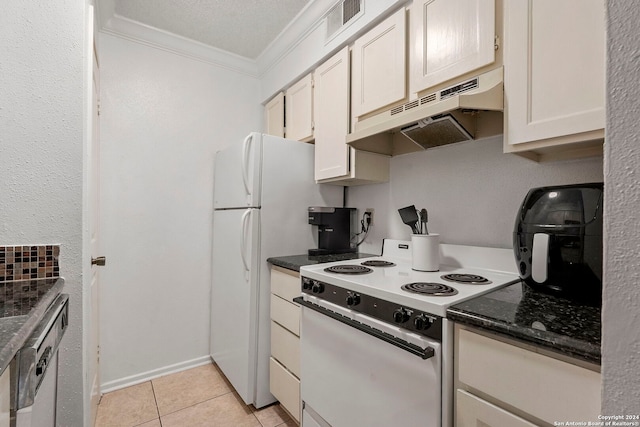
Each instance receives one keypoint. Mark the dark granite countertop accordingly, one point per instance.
(294, 262)
(546, 321)
(22, 305)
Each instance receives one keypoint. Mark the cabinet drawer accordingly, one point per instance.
(472, 411)
(285, 285)
(286, 313)
(285, 347)
(285, 387)
(544, 387)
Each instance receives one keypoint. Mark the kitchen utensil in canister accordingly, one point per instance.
(409, 216)
(424, 218)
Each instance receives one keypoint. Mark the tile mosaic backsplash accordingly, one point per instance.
(29, 262)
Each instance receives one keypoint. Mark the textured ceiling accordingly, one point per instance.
(243, 27)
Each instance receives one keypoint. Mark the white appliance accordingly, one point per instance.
(262, 190)
(36, 369)
(375, 353)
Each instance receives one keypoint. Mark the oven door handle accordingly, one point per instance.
(424, 353)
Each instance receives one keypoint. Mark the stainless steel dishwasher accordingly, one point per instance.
(36, 369)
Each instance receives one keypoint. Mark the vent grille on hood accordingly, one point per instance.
(409, 105)
(452, 114)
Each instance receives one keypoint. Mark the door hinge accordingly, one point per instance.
(496, 42)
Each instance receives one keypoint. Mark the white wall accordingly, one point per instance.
(621, 301)
(163, 117)
(471, 190)
(41, 154)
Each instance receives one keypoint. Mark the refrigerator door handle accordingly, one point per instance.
(243, 236)
(245, 162)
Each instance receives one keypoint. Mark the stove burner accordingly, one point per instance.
(348, 269)
(378, 263)
(427, 288)
(470, 279)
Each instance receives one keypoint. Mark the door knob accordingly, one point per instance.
(99, 260)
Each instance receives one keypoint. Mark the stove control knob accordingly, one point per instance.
(422, 322)
(317, 287)
(306, 284)
(401, 315)
(353, 299)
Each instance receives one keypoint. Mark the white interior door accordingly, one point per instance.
(234, 297)
(94, 221)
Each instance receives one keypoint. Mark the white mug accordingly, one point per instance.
(425, 252)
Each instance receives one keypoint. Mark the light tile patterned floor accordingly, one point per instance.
(200, 396)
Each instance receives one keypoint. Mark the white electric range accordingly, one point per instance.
(376, 347)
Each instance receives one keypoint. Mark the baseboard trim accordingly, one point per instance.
(155, 373)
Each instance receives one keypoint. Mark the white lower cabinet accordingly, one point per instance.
(284, 365)
(501, 383)
(286, 387)
(471, 411)
(285, 347)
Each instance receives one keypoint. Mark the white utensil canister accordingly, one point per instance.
(425, 252)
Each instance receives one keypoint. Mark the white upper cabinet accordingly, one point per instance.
(379, 66)
(299, 110)
(331, 104)
(554, 67)
(450, 38)
(335, 161)
(274, 116)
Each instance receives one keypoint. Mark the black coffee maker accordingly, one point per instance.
(334, 229)
(557, 241)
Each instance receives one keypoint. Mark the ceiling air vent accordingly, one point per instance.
(342, 13)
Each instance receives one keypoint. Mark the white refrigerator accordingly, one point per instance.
(262, 189)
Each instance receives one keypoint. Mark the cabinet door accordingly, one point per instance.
(450, 38)
(274, 116)
(299, 110)
(554, 68)
(472, 411)
(536, 384)
(331, 105)
(285, 387)
(379, 66)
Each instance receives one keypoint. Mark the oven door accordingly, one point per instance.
(352, 376)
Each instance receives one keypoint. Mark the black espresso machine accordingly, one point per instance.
(334, 229)
(557, 241)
